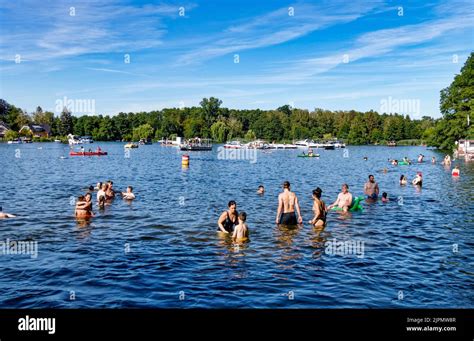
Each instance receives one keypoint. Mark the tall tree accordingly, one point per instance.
(66, 122)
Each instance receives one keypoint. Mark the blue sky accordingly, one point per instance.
(319, 54)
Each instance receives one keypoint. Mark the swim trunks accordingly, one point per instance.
(288, 219)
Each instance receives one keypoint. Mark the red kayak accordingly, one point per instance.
(87, 153)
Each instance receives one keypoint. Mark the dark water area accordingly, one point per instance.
(162, 250)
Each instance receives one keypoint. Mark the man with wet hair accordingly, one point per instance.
(371, 188)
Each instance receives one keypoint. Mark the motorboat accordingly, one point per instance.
(131, 145)
(233, 145)
(196, 144)
(73, 139)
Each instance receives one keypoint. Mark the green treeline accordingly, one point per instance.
(212, 120)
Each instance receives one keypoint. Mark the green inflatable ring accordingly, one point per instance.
(356, 206)
(403, 163)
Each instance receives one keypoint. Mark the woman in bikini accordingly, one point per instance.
(319, 209)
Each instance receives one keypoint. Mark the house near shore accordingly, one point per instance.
(3, 129)
(37, 130)
(465, 149)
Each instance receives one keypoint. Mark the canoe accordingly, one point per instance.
(306, 155)
(87, 153)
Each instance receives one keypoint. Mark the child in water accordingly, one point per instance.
(385, 197)
(128, 195)
(241, 231)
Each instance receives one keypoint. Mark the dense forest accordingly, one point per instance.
(285, 123)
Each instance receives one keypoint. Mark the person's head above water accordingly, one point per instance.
(80, 198)
(91, 188)
(130, 189)
(317, 192)
(384, 195)
(345, 188)
(88, 197)
(242, 216)
(371, 178)
(286, 185)
(261, 189)
(402, 177)
(232, 205)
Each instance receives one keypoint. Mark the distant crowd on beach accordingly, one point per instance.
(105, 196)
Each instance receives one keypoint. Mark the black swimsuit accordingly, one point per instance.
(228, 224)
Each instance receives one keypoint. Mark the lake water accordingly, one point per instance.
(163, 251)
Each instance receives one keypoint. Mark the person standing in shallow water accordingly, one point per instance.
(371, 188)
(287, 204)
(319, 209)
(228, 218)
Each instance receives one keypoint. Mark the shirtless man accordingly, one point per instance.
(344, 199)
(371, 188)
(287, 203)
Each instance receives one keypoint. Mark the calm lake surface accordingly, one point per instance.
(163, 251)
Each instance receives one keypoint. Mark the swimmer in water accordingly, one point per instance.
(241, 231)
(403, 180)
(287, 204)
(418, 180)
(319, 209)
(371, 188)
(110, 193)
(228, 218)
(128, 195)
(433, 160)
(101, 191)
(4, 215)
(420, 158)
(344, 199)
(261, 189)
(455, 171)
(84, 206)
(385, 197)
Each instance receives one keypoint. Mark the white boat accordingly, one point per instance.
(308, 144)
(171, 143)
(73, 139)
(282, 146)
(17, 141)
(233, 145)
(86, 139)
(57, 140)
(257, 144)
(339, 144)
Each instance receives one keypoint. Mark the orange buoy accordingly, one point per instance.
(185, 160)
